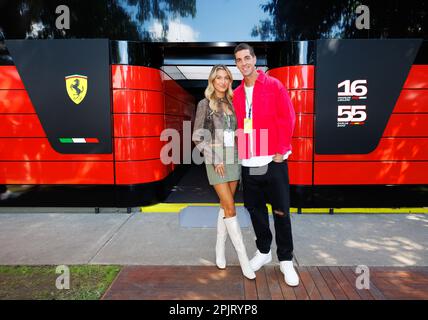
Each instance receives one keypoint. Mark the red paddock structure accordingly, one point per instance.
(400, 158)
(144, 100)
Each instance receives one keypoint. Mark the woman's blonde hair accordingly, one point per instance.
(210, 91)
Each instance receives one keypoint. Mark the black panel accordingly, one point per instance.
(43, 66)
(384, 65)
(5, 58)
(136, 53)
(90, 195)
(208, 53)
(422, 57)
(145, 194)
(361, 196)
(291, 54)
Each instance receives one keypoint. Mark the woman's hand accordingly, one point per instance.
(219, 169)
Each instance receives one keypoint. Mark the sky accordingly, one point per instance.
(227, 20)
(220, 20)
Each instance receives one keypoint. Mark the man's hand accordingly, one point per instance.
(219, 169)
(278, 157)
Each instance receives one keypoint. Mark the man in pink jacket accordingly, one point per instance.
(266, 120)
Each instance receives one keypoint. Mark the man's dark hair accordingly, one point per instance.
(244, 46)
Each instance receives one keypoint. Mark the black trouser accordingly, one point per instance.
(273, 187)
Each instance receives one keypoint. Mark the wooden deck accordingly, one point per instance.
(316, 283)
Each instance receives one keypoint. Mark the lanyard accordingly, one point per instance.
(250, 108)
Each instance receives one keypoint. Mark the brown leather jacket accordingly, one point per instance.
(210, 144)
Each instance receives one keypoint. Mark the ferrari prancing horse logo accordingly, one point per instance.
(77, 86)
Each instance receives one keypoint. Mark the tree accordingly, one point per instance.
(308, 20)
(114, 19)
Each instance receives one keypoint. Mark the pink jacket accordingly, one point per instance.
(272, 110)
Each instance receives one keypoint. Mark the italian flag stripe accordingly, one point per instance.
(79, 140)
(76, 76)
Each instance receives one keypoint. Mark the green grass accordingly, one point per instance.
(87, 282)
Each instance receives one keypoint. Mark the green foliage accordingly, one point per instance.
(87, 282)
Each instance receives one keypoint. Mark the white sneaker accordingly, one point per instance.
(260, 259)
(290, 275)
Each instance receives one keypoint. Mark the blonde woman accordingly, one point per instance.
(214, 136)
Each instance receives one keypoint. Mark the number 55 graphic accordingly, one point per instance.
(351, 113)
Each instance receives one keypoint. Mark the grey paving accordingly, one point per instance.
(54, 239)
(206, 217)
(160, 239)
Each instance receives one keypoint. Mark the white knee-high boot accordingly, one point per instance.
(235, 234)
(220, 256)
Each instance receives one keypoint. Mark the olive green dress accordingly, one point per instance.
(232, 166)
